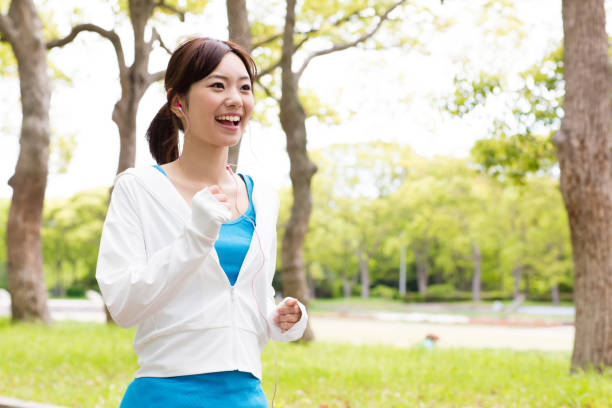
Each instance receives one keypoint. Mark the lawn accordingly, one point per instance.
(89, 365)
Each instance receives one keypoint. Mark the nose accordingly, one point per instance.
(234, 99)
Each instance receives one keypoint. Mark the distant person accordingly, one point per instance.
(188, 249)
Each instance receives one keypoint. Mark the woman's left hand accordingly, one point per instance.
(287, 315)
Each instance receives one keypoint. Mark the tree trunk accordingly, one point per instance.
(26, 284)
(346, 286)
(310, 283)
(584, 151)
(240, 33)
(516, 274)
(422, 264)
(477, 259)
(554, 292)
(402, 271)
(364, 271)
(292, 118)
(134, 82)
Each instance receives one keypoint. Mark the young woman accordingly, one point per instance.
(188, 249)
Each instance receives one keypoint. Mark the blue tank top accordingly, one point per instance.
(235, 236)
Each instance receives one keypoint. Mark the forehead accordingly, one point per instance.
(231, 66)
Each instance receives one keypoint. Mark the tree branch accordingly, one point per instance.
(269, 69)
(343, 46)
(157, 76)
(156, 37)
(111, 35)
(7, 29)
(272, 67)
(309, 32)
(164, 5)
(267, 90)
(266, 41)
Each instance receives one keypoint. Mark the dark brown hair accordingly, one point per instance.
(191, 61)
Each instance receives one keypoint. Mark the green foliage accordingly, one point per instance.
(8, 63)
(314, 107)
(320, 25)
(472, 92)
(71, 234)
(61, 150)
(384, 292)
(521, 137)
(56, 363)
(376, 198)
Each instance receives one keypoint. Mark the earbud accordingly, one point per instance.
(178, 104)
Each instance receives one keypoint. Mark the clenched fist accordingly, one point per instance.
(287, 315)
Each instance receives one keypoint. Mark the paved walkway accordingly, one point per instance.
(369, 331)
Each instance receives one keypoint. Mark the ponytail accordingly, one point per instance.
(190, 62)
(162, 136)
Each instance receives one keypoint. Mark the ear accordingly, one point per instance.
(175, 103)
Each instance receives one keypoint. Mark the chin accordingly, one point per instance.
(236, 141)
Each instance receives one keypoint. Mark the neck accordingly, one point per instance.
(203, 163)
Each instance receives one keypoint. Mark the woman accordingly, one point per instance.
(188, 247)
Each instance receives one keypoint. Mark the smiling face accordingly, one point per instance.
(219, 105)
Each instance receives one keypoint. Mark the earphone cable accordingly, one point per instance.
(255, 275)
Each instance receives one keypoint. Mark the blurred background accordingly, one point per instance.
(425, 148)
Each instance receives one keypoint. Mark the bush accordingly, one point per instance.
(494, 295)
(385, 292)
(444, 290)
(439, 293)
(75, 292)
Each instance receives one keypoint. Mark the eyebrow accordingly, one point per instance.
(226, 78)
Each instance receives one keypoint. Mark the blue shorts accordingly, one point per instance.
(210, 390)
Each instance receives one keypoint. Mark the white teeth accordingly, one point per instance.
(230, 118)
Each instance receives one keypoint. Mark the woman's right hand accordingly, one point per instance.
(219, 195)
(209, 209)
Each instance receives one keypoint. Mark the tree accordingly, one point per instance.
(239, 32)
(327, 21)
(584, 149)
(22, 28)
(292, 118)
(72, 229)
(134, 79)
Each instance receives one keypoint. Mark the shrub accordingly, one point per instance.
(385, 292)
(75, 292)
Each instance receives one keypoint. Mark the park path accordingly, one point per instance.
(403, 334)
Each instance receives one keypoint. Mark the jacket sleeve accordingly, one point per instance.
(134, 287)
(295, 332)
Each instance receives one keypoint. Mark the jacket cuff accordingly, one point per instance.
(295, 332)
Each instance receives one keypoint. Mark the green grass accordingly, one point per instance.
(90, 365)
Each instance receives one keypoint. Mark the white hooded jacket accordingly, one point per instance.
(158, 270)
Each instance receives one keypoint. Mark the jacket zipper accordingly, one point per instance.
(233, 328)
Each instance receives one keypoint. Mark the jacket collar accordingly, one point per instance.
(163, 191)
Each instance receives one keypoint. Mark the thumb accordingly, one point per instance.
(291, 302)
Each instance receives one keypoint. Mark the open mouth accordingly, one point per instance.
(228, 120)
